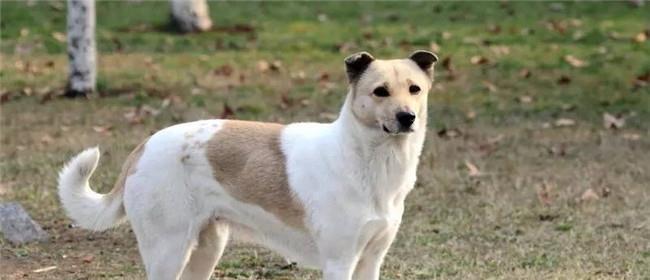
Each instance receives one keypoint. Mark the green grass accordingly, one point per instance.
(456, 226)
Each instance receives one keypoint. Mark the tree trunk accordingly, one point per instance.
(191, 15)
(82, 51)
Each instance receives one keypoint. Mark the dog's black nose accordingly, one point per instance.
(406, 119)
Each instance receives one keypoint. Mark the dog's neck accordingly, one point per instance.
(385, 164)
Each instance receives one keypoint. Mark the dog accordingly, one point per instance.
(326, 195)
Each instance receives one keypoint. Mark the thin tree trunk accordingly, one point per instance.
(82, 51)
(191, 15)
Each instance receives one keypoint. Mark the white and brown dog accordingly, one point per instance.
(327, 195)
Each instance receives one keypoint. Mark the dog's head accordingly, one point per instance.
(390, 95)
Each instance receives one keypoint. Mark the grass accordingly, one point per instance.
(522, 217)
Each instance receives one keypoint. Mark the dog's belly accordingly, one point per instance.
(293, 246)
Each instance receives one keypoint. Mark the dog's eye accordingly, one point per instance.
(381, 92)
(413, 89)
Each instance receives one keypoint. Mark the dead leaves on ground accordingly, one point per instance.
(546, 194)
(564, 122)
(472, 170)
(613, 122)
(574, 61)
(265, 66)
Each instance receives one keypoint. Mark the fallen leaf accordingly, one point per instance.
(446, 63)
(489, 86)
(44, 269)
(5, 96)
(525, 73)
(575, 22)
(589, 195)
(227, 112)
(631, 136)
(449, 133)
(276, 66)
(347, 47)
(323, 77)
(60, 37)
(556, 26)
(500, 50)
(451, 71)
(612, 122)
(641, 37)
(557, 150)
(478, 60)
(525, 99)
(58, 6)
(494, 28)
(564, 122)
(299, 76)
(286, 101)
(434, 47)
(88, 258)
(544, 193)
(470, 115)
(103, 129)
(575, 62)
(578, 35)
(263, 65)
(472, 170)
(642, 80)
(132, 117)
(47, 139)
(224, 70)
(606, 192)
(564, 80)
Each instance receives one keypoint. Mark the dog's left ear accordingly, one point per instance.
(424, 59)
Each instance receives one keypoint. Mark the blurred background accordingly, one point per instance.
(536, 164)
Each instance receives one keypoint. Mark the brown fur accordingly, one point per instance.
(128, 167)
(248, 162)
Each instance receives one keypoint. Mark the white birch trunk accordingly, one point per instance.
(191, 15)
(82, 51)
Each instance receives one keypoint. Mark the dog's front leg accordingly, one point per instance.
(369, 264)
(338, 269)
(339, 251)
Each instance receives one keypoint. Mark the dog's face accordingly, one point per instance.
(390, 95)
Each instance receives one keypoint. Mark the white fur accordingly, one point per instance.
(352, 180)
(87, 208)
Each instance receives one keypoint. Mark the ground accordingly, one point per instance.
(520, 177)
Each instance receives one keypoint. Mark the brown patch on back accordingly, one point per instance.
(128, 167)
(248, 161)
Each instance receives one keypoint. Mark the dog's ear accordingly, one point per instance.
(424, 59)
(356, 64)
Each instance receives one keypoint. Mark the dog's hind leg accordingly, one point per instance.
(211, 243)
(166, 254)
(165, 235)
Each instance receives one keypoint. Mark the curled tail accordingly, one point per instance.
(89, 209)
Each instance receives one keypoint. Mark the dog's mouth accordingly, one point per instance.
(401, 130)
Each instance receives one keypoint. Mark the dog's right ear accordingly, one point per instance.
(356, 64)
